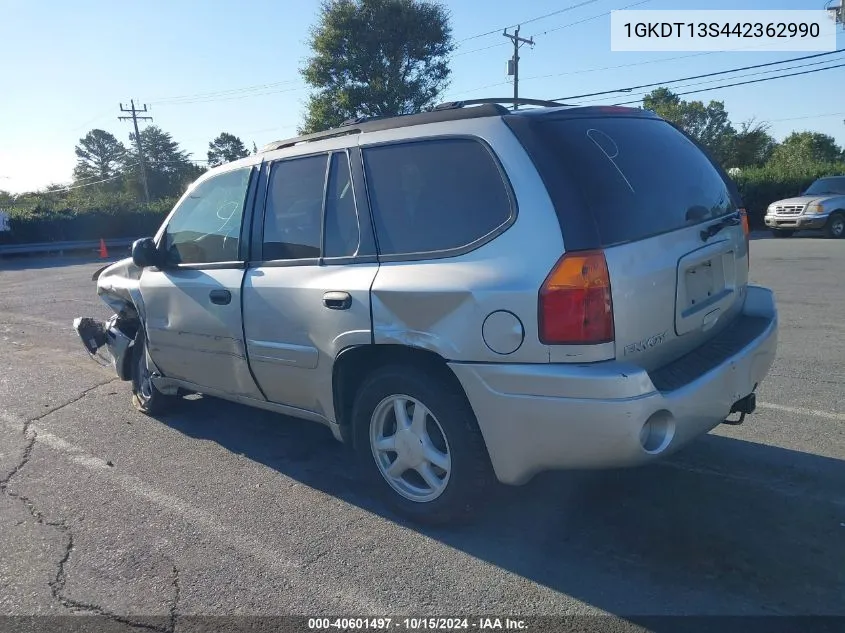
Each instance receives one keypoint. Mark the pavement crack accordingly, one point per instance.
(177, 595)
(57, 586)
(58, 583)
(70, 402)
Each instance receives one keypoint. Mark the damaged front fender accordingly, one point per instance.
(118, 287)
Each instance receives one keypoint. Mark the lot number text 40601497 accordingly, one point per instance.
(417, 624)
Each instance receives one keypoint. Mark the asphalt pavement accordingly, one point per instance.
(218, 509)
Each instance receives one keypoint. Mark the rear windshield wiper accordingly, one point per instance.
(713, 229)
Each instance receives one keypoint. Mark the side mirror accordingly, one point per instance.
(145, 253)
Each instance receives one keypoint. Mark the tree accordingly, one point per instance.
(99, 156)
(225, 148)
(375, 58)
(169, 170)
(708, 124)
(802, 148)
(752, 145)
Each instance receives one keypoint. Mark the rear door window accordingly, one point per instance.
(342, 232)
(294, 211)
(634, 177)
(434, 195)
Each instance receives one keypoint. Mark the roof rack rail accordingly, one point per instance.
(450, 105)
(372, 124)
(316, 136)
(362, 119)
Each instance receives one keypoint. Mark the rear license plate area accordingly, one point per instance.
(700, 283)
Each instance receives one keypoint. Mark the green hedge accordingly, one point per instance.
(760, 186)
(48, 217)
(46, 223)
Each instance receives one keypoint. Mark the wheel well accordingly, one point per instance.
(354, 364)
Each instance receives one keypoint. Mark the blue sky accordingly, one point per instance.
(67, 65)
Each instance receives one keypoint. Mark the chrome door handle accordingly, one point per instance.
(336, 300)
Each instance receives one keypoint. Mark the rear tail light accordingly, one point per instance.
(575, 306)
(743, 214)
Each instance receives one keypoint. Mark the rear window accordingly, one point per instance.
(632, 177)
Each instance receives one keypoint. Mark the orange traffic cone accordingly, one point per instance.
(104, 252)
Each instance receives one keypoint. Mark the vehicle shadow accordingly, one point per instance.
(759, 527)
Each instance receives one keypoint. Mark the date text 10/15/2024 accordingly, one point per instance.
(417, 624)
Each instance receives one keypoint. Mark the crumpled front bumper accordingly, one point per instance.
(96, 334)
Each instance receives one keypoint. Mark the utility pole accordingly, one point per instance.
(513, 66)
(134, 112)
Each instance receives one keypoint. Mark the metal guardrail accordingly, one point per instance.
(60, 247)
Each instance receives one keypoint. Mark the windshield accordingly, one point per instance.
(827, 186)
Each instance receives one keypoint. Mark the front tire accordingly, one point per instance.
(835, 228)
(419, 445)
(145, 397)
(782, 233)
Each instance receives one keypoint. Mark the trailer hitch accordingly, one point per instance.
(744, 406)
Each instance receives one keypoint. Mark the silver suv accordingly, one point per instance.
(822, 206)
(465, 295)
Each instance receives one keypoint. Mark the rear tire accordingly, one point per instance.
(782, 233)
(835, 228)
(439, 470)
(145, 397)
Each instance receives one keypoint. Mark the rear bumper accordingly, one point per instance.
(610, 414)
(797, 222)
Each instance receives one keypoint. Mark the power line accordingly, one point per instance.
(237, 96)
(201, 96)
(90, 121)
(721, 72)
(595, 17)
(557, 28)
(229, 91)
(88, 184)
(539, 17)
(754, 74)
(134, 118)
(742, 83)
(618, 66)
(643, 63)
(476, 50)
(87, 178)
(589, 70)
(806, 116)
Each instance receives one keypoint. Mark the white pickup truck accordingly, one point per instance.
(821, 206)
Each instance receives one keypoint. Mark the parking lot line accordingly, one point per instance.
(257, 550)
(830, 415)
